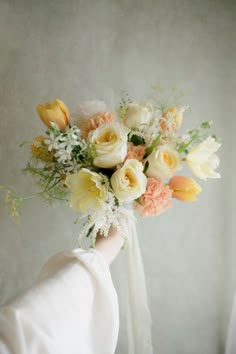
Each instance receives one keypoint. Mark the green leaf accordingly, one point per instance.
(138, 201)
(136, 140)
(146, 167)
(206, 125)
(153, 146)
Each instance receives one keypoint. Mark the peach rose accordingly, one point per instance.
(135, 152)
(171, 119)
(184, 188)
(55, 112)
(95, 121)
(156, 199)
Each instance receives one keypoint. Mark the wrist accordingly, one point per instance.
(111, 245)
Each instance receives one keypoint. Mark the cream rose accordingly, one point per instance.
(87, 190)
(110, 141)
(163, 162)
(202, 161)
(129, 182)
(138, 115)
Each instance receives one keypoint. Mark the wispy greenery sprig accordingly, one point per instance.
(122, 108)
(196, 136)
(163, 98)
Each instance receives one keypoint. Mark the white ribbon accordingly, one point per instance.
(138, 313)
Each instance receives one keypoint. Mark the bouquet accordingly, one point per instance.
(107, 160)
(106, 164)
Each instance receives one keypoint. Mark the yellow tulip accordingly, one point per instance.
(39, 149)
(55, 112)
(184, 188)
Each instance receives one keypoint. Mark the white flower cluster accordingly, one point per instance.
(100, 219)
(64, 143)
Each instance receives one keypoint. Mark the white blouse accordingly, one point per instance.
(72, 309)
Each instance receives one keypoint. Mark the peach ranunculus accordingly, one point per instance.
(156, 199)
(184, 188)
(95, 121)
(171, 119)
(39, 149)
(135, 152)
(55, 112)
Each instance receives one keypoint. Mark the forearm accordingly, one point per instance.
(110, 246)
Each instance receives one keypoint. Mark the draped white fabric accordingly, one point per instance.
(72, 309)
(136, 302)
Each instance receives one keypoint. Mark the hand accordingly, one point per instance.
(110, 246)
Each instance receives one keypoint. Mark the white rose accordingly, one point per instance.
(129, 182)
(202, 161)
(163, 162)
(110, 141)
(138, 115)
(86, 110)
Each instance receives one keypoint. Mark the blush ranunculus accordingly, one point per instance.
(184, 188)
(156, 199)
(95, 121)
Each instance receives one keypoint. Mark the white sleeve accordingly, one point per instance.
(72, 309)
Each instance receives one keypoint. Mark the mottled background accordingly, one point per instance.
(80, 50)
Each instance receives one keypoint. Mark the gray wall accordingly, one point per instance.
(80, 50)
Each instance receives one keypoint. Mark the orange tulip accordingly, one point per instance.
(55, 112)
(175, 115)
(184, 188)
(39, 149)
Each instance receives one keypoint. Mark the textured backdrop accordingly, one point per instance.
(80, 50)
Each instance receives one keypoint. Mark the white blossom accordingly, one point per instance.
(64, 143)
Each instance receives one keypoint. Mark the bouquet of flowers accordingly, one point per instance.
(107, 163)
(107, 160)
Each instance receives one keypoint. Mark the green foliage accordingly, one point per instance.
(196, 136)
(206, 125)
(50, 179)
(154, 145)
(136, 139)
(146, 167)
(122, 109)
(163, 98)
